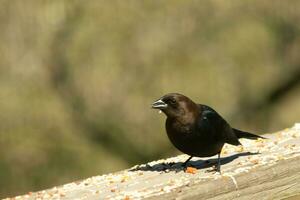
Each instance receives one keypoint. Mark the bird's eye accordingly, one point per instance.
(172, 101)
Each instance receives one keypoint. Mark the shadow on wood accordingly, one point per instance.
(198, 164)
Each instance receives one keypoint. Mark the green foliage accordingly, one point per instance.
(77, 79)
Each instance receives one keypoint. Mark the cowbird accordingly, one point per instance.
(197, 129)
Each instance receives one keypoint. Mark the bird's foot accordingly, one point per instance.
(171, 164)
(186, 165)
(214, 168)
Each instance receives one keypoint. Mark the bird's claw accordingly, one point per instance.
(214, 169)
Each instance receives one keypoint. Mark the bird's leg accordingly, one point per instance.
(217, 166)
(219, 163)
(186, 162)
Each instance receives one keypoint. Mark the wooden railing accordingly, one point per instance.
(261, 169)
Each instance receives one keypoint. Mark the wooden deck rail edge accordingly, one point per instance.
(261, 169)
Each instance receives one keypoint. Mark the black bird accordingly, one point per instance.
(196, 129)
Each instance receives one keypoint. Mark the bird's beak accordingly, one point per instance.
(159, 104)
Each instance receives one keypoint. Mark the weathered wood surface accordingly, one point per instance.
(261, 169)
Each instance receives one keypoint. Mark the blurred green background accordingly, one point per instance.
(77, 79)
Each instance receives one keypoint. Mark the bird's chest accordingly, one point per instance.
(202, 128)
(180, 131)
(194, 140)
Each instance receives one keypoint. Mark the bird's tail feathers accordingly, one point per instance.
(243, 134)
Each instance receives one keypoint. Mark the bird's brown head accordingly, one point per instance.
(175, 105)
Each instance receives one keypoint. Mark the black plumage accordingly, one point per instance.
(196, 129)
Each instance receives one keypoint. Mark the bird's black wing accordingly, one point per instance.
(215, 125)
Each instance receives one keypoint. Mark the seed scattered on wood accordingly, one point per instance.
(191, 170)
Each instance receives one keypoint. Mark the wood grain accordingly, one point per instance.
(261, 169)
